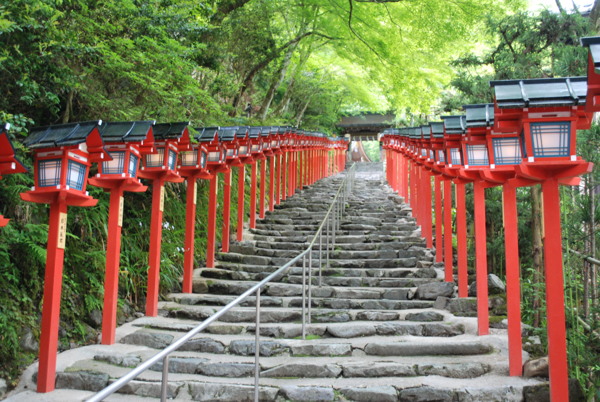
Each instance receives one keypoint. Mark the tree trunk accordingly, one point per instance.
(595, 16)
(301, 114)
(560, 7)
(66, 117)
(538, 249)
(277, 80)
(287, 98)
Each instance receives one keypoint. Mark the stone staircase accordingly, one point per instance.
(375, 334)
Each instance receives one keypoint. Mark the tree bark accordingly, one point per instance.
(595, 16)
(247, 81)
(66, 117)
(538, 249)
(277, 80)
(560, 7)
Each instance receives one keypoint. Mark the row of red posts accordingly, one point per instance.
(159, 153)
(526, 137)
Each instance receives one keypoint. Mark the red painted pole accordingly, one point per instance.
(57, 226)
(279, 159)
(448, 257)
(253, 196)
(263, 183)
(406, 179)
(439, 248)
(400, 174)
(461, 240)
(211, 230)
(513, 284)
(241, 190)
(300, 170)
(271, 183)
(226, 211)
(111, 275)
(483, 321)
(190, 228)
(156, 224)
(427, 219)
(285, 168)
(555, 293)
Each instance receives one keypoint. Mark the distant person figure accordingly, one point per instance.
(248, 109)
(356, 156)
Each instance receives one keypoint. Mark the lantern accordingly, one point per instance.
(209, 137)
(62, 158)
(9, 164)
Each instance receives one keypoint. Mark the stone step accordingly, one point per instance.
(342, 240)
(395, 289)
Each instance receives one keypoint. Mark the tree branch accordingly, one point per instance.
(356, 34)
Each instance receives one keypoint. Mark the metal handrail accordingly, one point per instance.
(332, 219)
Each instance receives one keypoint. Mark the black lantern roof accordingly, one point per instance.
(241, 132)
(454, 124)
(568, 91)
(255, 132)
(593, 42)
(479, 115)
(425, 132)
(207, 134)
(437, 129)
(61, 134)
(228, 133)
(125, 131)
(274, 130)
(265, 131)
(169, 131)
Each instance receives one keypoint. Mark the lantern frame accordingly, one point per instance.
(215, 159)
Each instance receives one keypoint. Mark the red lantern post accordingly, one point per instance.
(243, 137)
(160, 168)
(126, 142)
(192, 166)
(215, 164)
(549, 112)
(63, 155)
(9, 164)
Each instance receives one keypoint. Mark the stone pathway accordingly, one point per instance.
(375, 334)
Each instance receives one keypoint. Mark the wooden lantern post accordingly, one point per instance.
(209, 137)
(549, 112)
(160, 168)
(192, 166)
(63, 155)
(126, 143)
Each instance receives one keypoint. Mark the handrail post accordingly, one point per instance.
(304, 296)
(327, 241)
(257, 347)
(320, 256)
(309, 284)
(164, 387)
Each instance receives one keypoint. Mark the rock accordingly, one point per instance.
(368, 394)
(536, 368)
(3, 388)
(119, 359)
(226, 369)
(186, 365)
(296, 393)
(331, 317)
(495, 286)
(426, 394)
(203, 345)
(149, 389)
(28, 342)
(325, 349)
(224, 329)
(379, 369)
(229, 392)
(304, 371)
(541, 392)
(425, 273)
(433, 349)
(377, 316)
(154, 340)
(424, 316)
(96, 318)
(432, 290)
(266, 348)
(440, 329)
(83, 380)
(454, 370)
(354, 331)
